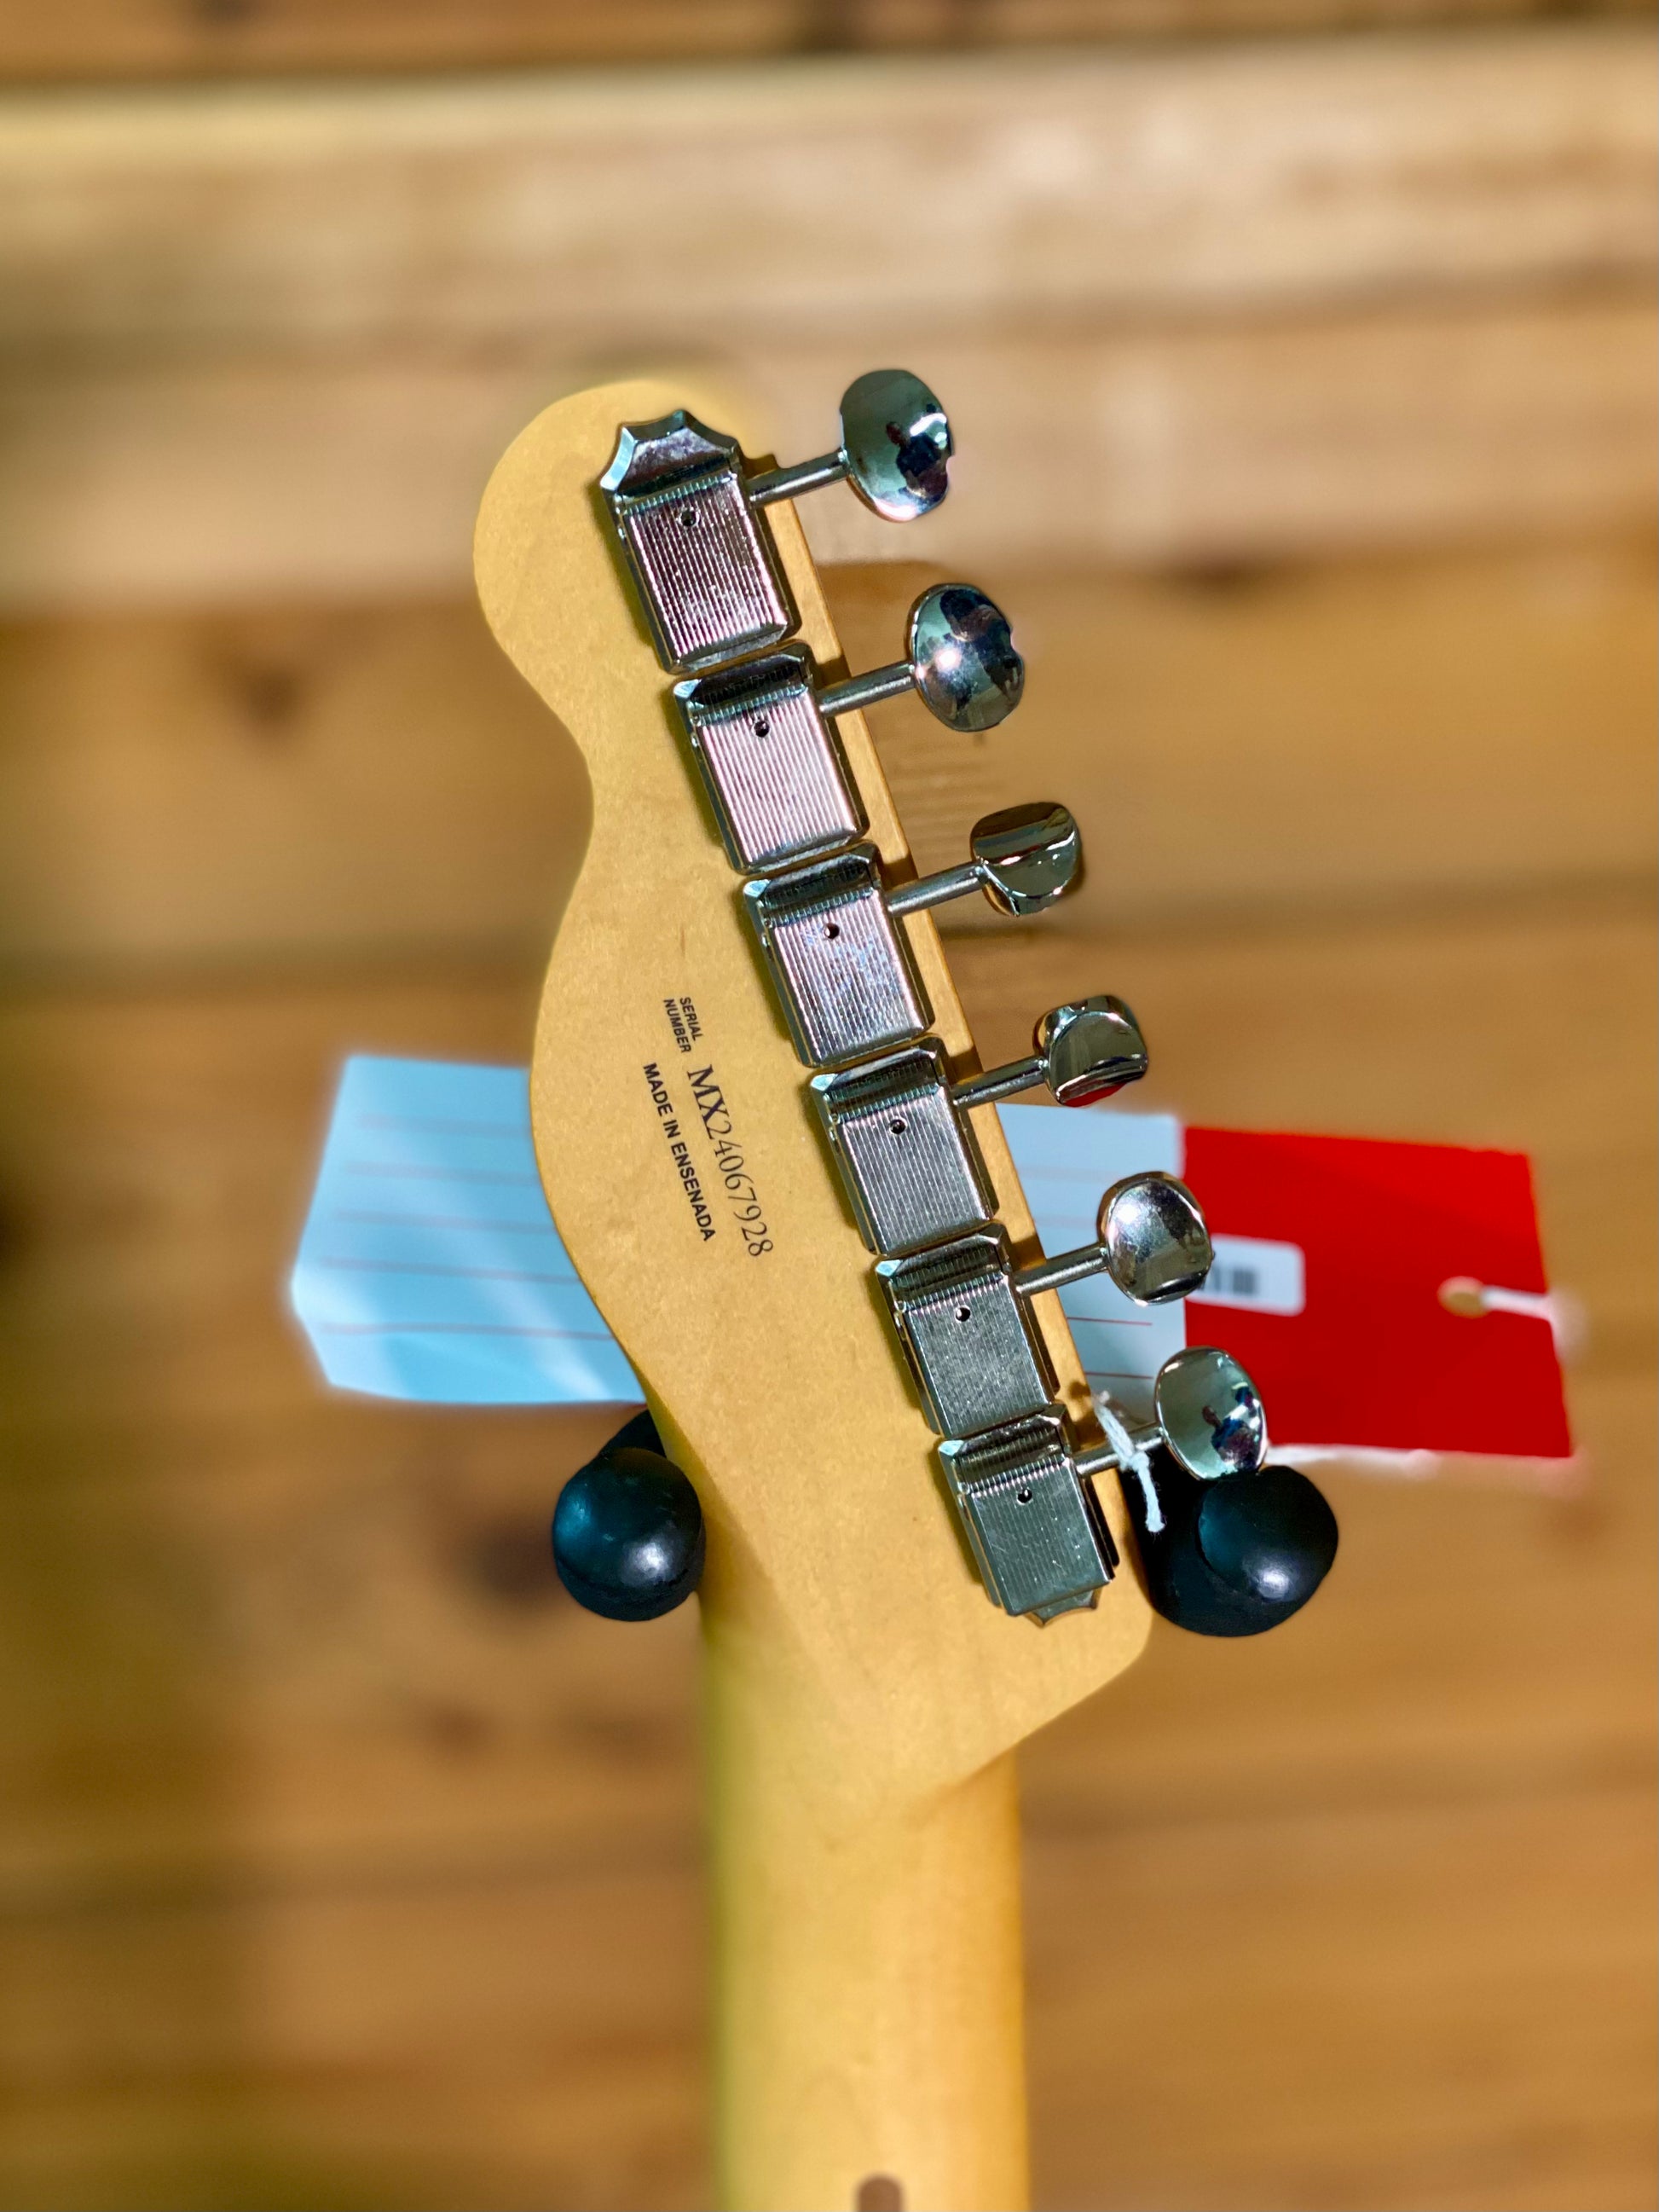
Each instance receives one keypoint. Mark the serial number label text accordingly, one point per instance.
(730, 1164)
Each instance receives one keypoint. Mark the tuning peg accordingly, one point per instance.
(1209, 1413)
(1229, 1546)
(1084, 1051)
(895, 449)
(1023, 860)
(1151, 1243)
(628, 1533)
(1206, 1413)
(1233, 1556)
(711, 584)
(961, 660)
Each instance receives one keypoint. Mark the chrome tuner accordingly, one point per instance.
(1082, 1052)
(1229, 1545)
(765, 739)
(895, 450)
(1209, 1413)
(688, 515)
(907, 1151)
(1151, 1241)
(960, 1309)
(772, 764)
(962, 662)
(1023, 860)
(843, 975)
(1033, 1524)
(708, 575)
(1205, 1411)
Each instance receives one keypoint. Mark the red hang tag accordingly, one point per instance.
(1373, 1358)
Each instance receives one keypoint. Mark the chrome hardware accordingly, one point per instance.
(907, 1152)
(762, 732)
(1084, 1052)
(1033, 1524)
(961, 660)
(1209, 1413)
(1152, 1243)
(960, 1308)
(975, 1357)
(1023, 860)
(773, 765)
(894, 451)
(706, 569)
(688, 515)
(842, 972)
(1206, 1409)
(911, 1167)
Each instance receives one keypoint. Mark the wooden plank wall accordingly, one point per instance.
(1303, 385)
(1193, 306)
(92, 39)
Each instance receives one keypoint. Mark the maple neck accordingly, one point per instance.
(868, 2032)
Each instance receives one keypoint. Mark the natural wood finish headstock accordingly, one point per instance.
(775, 1379)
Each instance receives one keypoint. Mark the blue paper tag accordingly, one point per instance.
(430, 1269)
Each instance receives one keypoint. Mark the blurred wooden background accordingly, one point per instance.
(1301, 353)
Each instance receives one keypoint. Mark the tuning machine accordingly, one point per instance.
(1231, 1545)
(688, 513)
(845, 978)
(1025, 1494)
(761, 729)
(1206, 1413)
(895, 450)
(1033, 1524)
(961, 1308)
(1082, 1052)
(959, 659)
(905, 1145)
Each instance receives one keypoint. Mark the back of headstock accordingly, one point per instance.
(763, 1342)
(770, 1150)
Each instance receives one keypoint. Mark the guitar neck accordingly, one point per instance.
(867, 2018)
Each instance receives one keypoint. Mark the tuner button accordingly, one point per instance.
(1234, 1556)
(1156, 1244)
(896, 442)
(1210, 1413)
(1092, 1047)
(1026, 857)
(962, 660)
(1269, 1535)
(628, 1533)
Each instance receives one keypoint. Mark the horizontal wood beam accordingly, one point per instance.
(81, 40)
(233, 482)
(720, 208)
(196, 792)
(1224, 304)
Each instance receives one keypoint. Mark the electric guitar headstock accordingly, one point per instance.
(768, 1143)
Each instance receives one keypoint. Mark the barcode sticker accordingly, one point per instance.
(1260, 1277)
